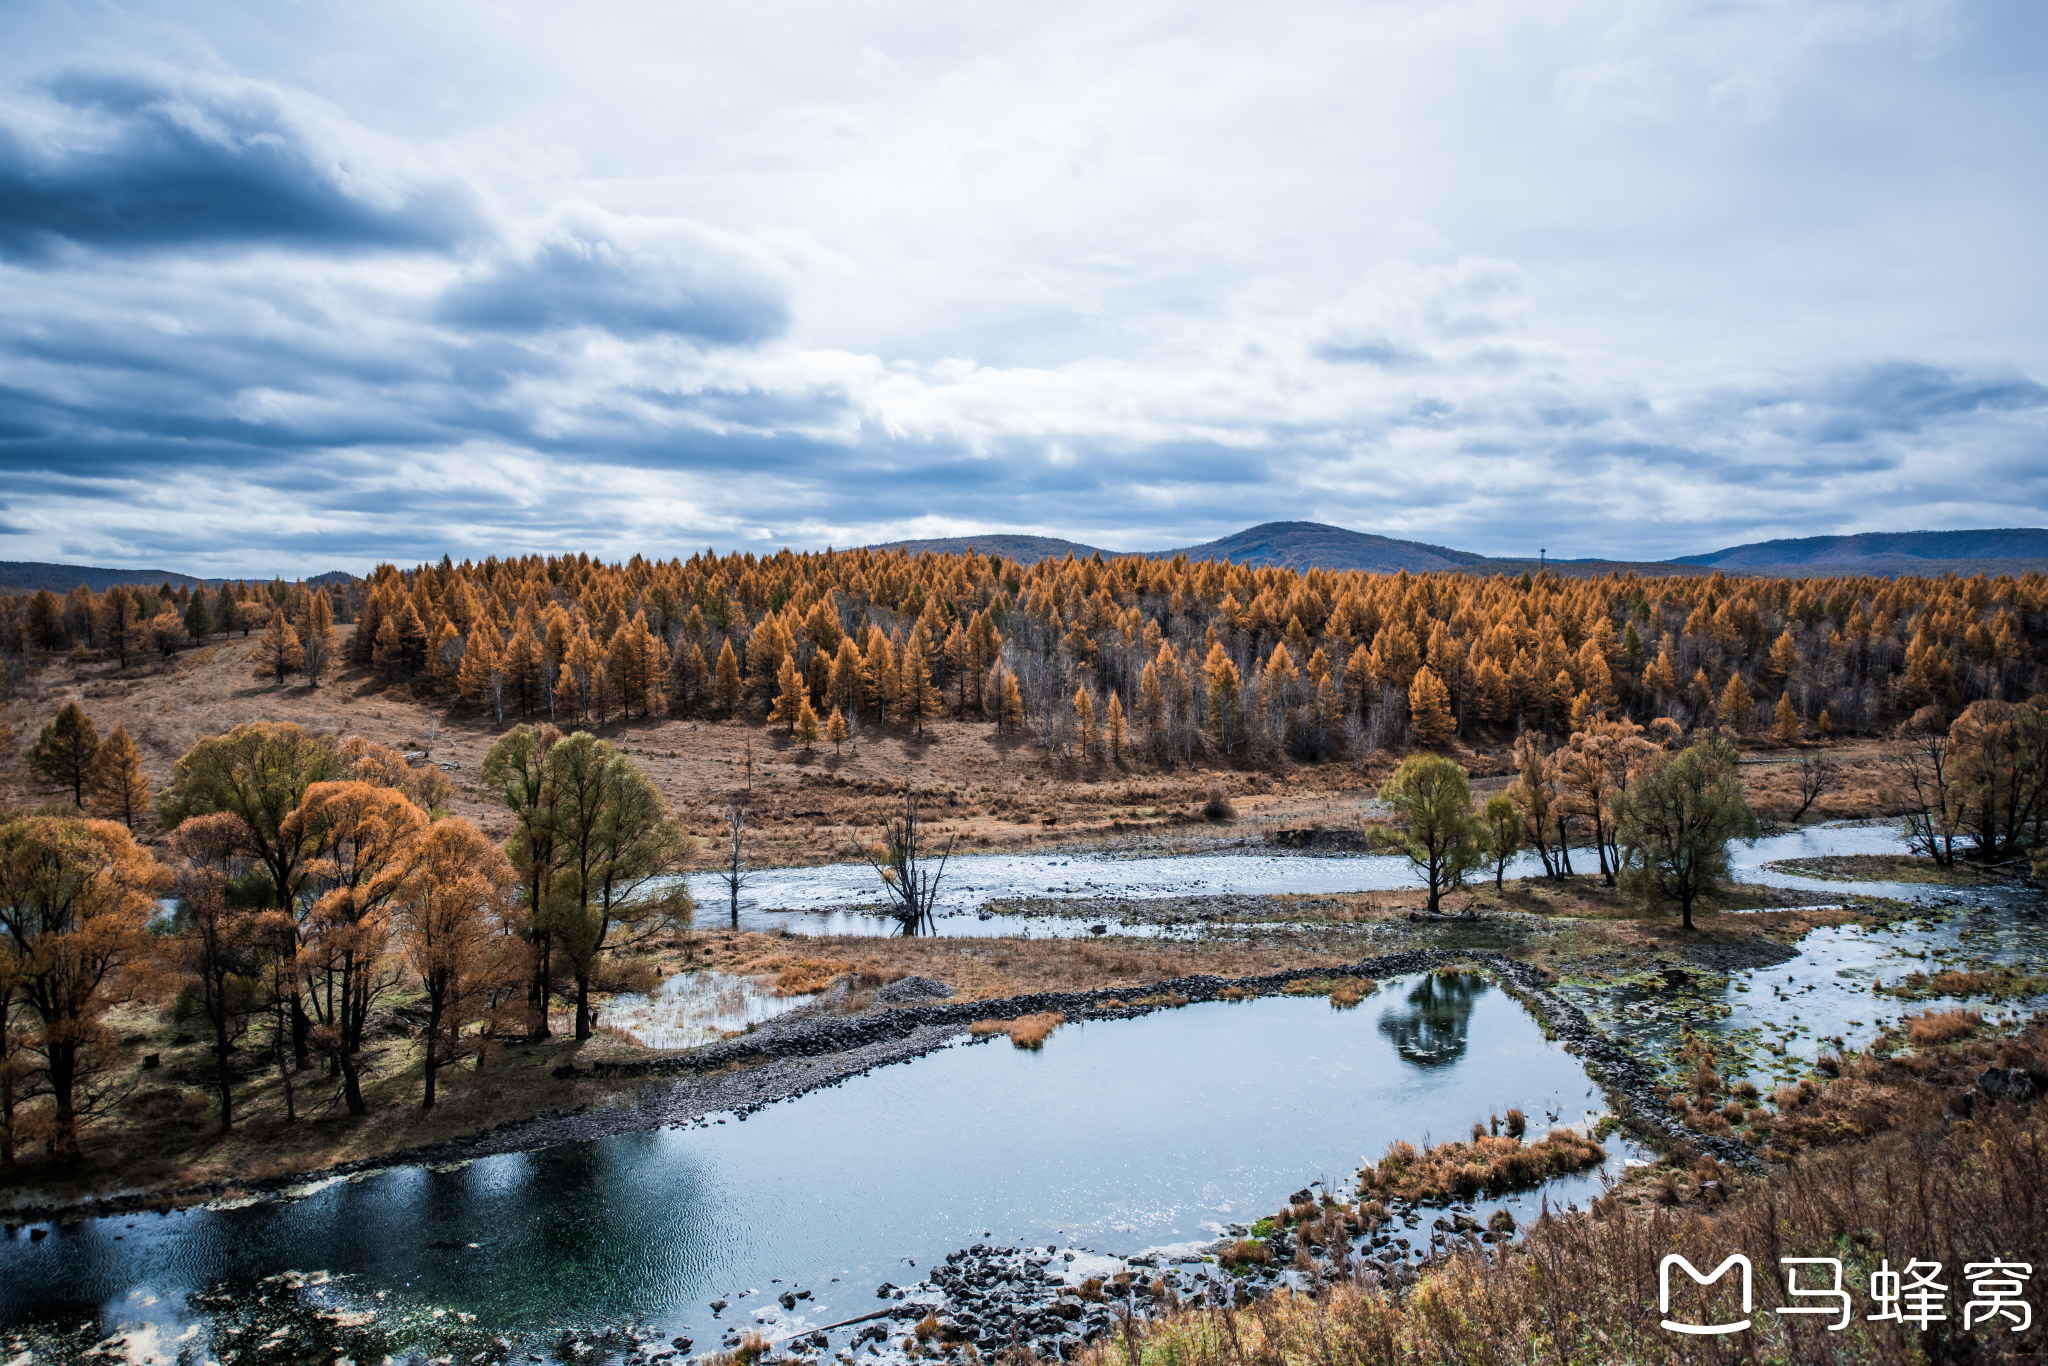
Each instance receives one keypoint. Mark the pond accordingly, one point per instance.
(1120, 1135)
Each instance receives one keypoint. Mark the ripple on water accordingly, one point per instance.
(1120, 1135)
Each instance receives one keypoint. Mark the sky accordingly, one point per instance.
(289, 287)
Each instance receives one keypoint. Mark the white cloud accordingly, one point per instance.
(1655, 277)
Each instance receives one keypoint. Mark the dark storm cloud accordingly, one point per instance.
(575, 282)
(142, 162)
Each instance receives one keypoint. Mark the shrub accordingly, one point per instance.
(1942, 1026)
(1218, 807)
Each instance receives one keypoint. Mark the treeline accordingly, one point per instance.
(317, 880)
(1149, 659)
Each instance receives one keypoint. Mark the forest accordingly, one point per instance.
(1136, 659)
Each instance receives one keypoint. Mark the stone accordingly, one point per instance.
(2006, 1081)
(911, 990)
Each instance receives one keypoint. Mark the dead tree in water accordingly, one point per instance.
(736, 871)
(912, 887)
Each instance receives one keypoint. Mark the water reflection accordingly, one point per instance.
(1119, 1135)
(1432, 1032)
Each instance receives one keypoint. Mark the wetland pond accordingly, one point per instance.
(1121, 1135)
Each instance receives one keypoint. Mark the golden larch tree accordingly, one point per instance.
(457, 916)
(278, 652)
(119, 789)
(1429, 708)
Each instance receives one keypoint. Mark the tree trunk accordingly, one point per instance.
(284, 1067)
(540, 991)
(351, 1083)
(221, 1047)
(434, 1006)
(583, 1020)
(62, 1144)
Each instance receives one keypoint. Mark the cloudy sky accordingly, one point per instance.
(287, 287)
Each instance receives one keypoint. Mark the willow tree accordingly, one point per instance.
(1438, 833)
(1674, 823)
(619, 856)
(516, 771)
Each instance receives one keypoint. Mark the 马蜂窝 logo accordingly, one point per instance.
(1914, 1295)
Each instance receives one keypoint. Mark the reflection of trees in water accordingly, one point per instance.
(1431, 1032)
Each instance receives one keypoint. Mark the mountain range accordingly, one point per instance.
(1300, 545)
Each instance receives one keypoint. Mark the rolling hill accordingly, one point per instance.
(26, 576)
(1882, 547)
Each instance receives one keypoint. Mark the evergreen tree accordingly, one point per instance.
(835, 729)
(227, 615)
(1734, 708)
(1085, 739)
(1429, 708)
(278, 652)
(1114, 728)
(117, 622)
(319, 647)
(46, 621)
(116, 781)
(725, 686)
(63, 752)
(806, 728)
(479, 677)
(1785, 720)
(789, 696)
(198, 620)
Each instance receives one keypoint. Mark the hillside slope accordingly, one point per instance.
(1885, 549)
(26, 576)
(1300, 545)
(1022, 549)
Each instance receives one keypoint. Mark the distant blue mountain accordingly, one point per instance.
(1882, 549)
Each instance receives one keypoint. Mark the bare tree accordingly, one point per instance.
(901, 860)
(1818, 776)
(1926, 788)
(736, 871)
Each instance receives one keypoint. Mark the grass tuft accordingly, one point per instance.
(1026, 1031)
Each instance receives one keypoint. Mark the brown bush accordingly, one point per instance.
(1932, 1027)
(1485, 1164)
(1218, 807)
(1026, 1031)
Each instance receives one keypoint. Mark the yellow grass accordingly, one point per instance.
(1485, 1164)
(1026, 1031)
(1942, 1026)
